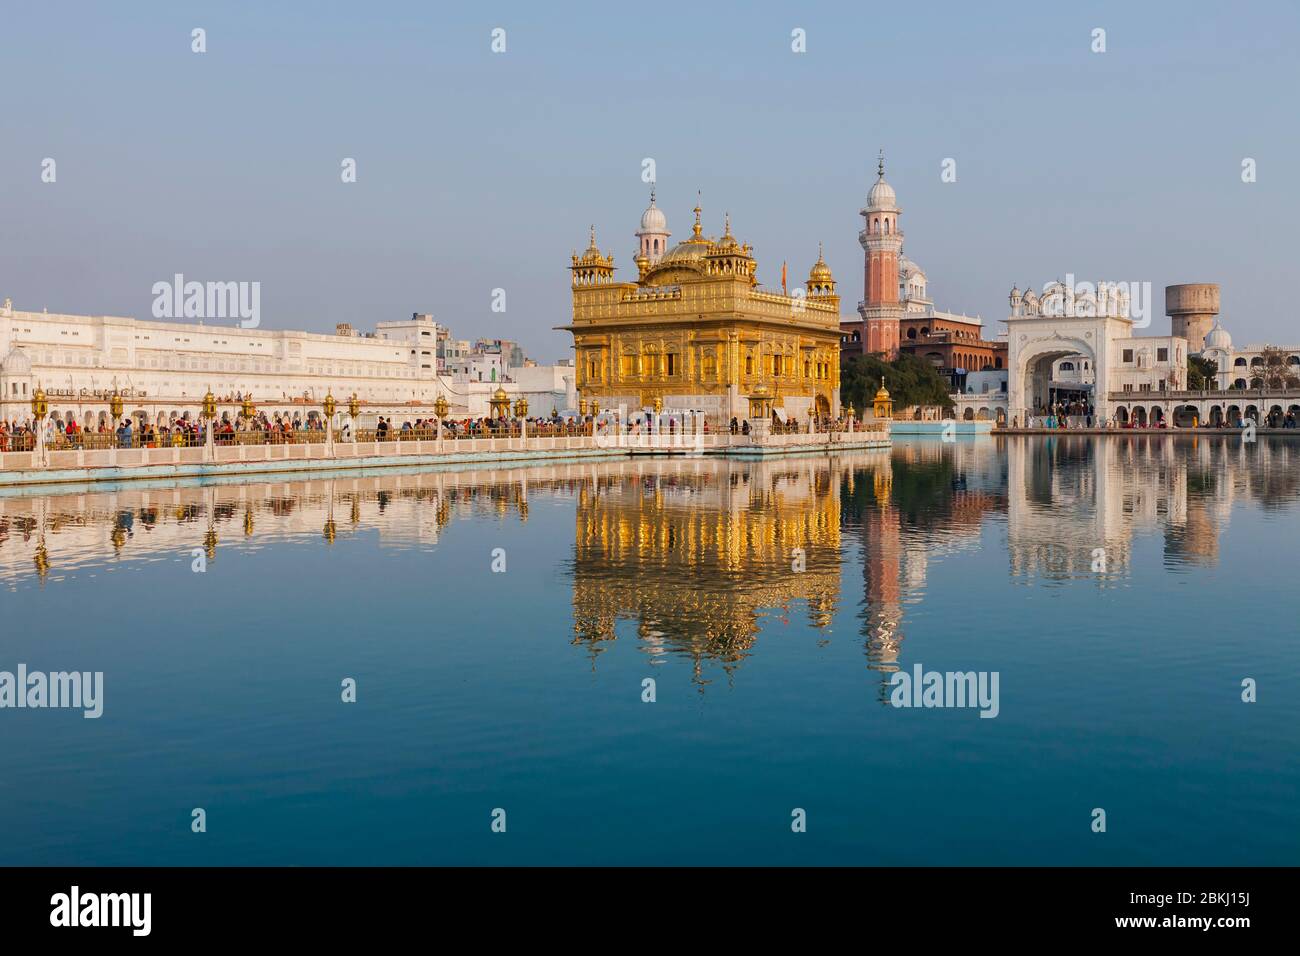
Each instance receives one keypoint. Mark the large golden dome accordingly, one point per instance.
(689, 253)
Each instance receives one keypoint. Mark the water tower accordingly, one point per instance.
(1191, 309)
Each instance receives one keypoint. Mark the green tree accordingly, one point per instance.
(1201, 372)
(910, 380)
(1277, 373)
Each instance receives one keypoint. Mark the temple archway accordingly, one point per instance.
(1029, 379)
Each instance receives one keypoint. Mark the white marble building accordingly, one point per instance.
(1092, 334)
(164, 368)
(1239, 368)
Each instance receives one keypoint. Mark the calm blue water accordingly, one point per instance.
(1119, 689)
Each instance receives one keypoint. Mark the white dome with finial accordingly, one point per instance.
(653, 219)
(881, 195)
(1218, 338)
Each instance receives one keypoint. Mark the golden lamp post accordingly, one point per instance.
(330, 406)
(210, 417)
(40, 408)
(115, 405)
(440, 415)
(248, 408)
(354, 409)
(521, 408)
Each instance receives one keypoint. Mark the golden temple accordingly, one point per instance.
(697, 332)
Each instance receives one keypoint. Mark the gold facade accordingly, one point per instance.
(696, 331)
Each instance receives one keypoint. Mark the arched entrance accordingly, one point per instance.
(823, 407)
(1139, 416)
(1186, 416)
(1033, 393)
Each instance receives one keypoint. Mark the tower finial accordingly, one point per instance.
(726, 230)
(593, 235)
(698, 200)
(880, 166)
(652, 194)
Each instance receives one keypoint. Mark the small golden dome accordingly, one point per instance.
(500, 394)
(883, 393)
(820, 271)
(728, 241)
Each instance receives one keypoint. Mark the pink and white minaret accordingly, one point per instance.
(882, 241)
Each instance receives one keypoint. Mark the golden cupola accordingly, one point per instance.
(593, 267)
(820, 284)
(727, 257)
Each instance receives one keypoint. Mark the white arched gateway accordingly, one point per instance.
(1095, 329)
(1029, 383)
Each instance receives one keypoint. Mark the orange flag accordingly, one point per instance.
(783, 277)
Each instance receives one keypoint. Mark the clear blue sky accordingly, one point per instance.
(479, 170)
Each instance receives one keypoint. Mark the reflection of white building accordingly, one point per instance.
(1076, 505)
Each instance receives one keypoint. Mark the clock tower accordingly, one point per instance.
(882, 242)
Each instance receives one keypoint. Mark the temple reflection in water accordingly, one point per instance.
(705, 559)
(698, 553)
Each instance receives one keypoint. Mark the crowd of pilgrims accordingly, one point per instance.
(131, 432)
